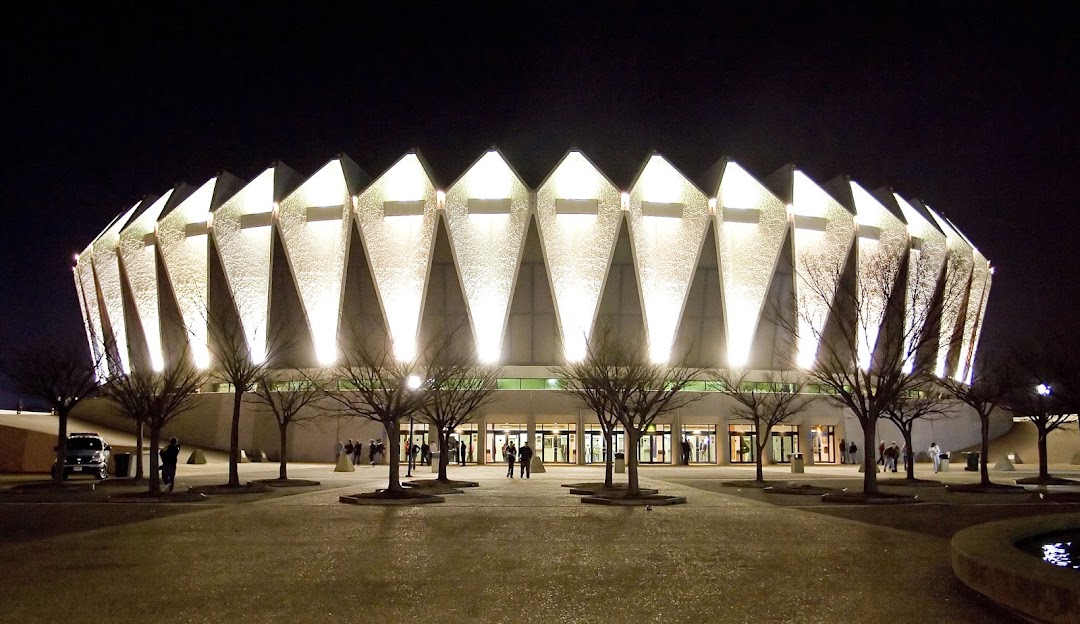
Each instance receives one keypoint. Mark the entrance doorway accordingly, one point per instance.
(419, 438)
(654, 447)
(702, 439)
(556, 443)
(500, 435)
(743, 442)
(784, 442)
(594, 443)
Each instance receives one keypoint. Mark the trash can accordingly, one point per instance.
(122, 463)
(972, 461)
(435, 462)
(620, 462)
(797, 466)
(944, 462)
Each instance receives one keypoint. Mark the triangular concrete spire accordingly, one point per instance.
(106, 260)
(314, 224)
(487, 212)
(751, 224)
(668, 218)
(578, 210)
(958, 288)
(182, 240)
(396, 216)
(242, 228)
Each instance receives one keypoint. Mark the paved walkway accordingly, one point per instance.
(511, 551)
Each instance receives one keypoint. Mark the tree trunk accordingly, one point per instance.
(984, 473)
(1044, 470)
(870, 485)
(761, 443)
(393, 430)
(444, 455)
(633, 488)
(906, 432)
(155, 474)
(234, 438)
(61, 444)
(283, 431)
(609, 459)
(140, 427)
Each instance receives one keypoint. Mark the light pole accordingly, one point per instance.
(413, 383)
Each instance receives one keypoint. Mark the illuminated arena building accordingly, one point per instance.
(690, 268)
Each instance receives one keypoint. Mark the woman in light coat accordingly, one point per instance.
(935, 456)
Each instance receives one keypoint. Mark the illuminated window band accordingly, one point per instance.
(578, 213)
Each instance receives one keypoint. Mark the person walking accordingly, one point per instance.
(461, 453)
(935, 456)
(894, 454)
(526, 455)
(685, 452)
(881, 453)
(511, 455)
(371, 451)
(168, 463)
(357, 449)
(843, 451)
(425, 454)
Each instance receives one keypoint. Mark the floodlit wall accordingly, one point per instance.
(242, 228)
(182, 238)
(396, 216)
(578, 214)
(668, 220)
(882, 241)
(751, 224)
(137, 252)
(823, 231)
(487, 213)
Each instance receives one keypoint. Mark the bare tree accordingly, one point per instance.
(989, 388)
(764, 404)
(1046, 395)
(889, 322)
(285, 397)
(376, 386)
(582, 380)
(159, 397)
(920, 403)
(457, 389)
(637, 390)
(238, 363)
(58, 373)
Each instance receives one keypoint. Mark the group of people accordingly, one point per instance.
(890, 454)
(523, 455)
(354, 451)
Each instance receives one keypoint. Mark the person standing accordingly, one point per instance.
(843, 451)
(511, 455)
(526, 460)
(461, 453)
(371, 448)
(894, 454)
(357, 449)
(168, 463)
(935, 456)
(349, 448)
(853, 449)
(881, 453)
(685, 452)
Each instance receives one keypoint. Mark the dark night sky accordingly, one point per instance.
(970, 107)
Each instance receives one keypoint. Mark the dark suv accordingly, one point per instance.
(87, 453)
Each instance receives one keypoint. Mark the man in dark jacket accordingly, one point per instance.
(168, 463)
(525, 455)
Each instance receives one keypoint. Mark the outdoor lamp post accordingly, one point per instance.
(1043, 389)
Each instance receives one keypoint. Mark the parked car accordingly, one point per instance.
(87, 453)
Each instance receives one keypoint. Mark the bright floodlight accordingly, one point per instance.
(1043, 389)
(413, 382)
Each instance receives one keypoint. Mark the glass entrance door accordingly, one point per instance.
(594, 443)
(470, 435)
(743, 441)
(501, 434)
(702, 439)
(419, 438)
(823, 444)
(784, 442)
(556, 443)
(654, 447)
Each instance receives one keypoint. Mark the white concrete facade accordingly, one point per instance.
(532, 272)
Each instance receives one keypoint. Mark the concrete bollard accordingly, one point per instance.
(537, 465)
(344, 464)
(1014, 458)
(196, 457)
(1004, 464)
(243, 457)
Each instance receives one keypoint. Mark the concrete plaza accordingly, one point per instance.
(509, 551)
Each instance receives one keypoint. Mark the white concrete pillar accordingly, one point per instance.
(580, 441)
